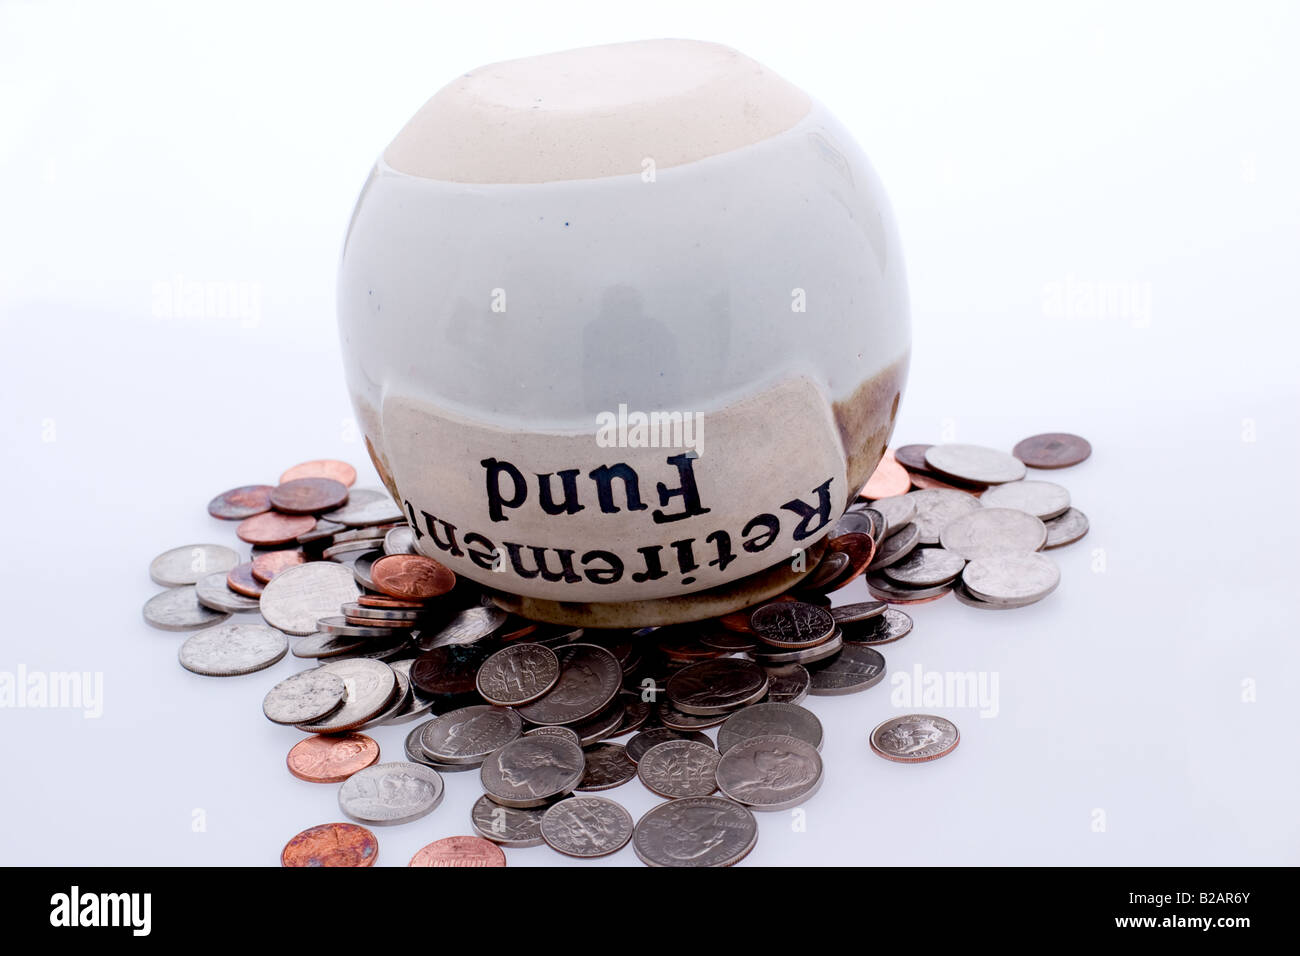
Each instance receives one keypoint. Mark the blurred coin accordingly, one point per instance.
(185, 565)
(331, 844)
(1066, 529)
(761, 720)
(587, 827)
(321, 534)
(606, 766)
(459, 851)
(937, 508)
(231, 649)
(857, 612)
(378, 532)
(975, 463)
(178, 609)
(213, 592)
(636, 713)
(242, 502)
(716, 687)
(787, 683)
(400, 540)
(507, 826)
(300, 596)
(266, 566)
(896, 547)
(792, 624)
(366, 506)
(914, 738)
(890, 478)
(695, 832)
(384, 615)
(469, 734)
(926, 567)
(1052, 450)
(339, 471)
(412, 577)
(531, 771)
(889, 627)
(1042, 499)
(303, 697)
(590, 677)
(339, 627)
(993, 531)
(640, 743)
(370, 685)
(772, 772)
(350, 550)
(1007, 578)
(308, 496)
(273, 528)
(679, 768)
(927, 481)
(854, 669)
(897, 510)
(331, 759)
(388, 794)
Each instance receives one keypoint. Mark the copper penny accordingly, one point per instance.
(383, 600)
(460, 851)
(268, 565)
(411, 576)
(272, 528)
(339, 471)
(321, 759)
(241, 580)
(1052, 450)
(242, 502)
(889, 479)
(309, 496)
(331, 844)
(860, 548)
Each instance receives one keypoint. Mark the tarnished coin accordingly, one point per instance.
(1068, 528)
(470, 625)
(459, 851)
(308, 496)
(792, 624)
(993, 531)
(266, 566)
(1052, 450)
(339, 471)
(853, 669)
(914, 738)
(400, 540)
(640, 743)
(213, 592)
(889, 627)
(331, 844)
(889, 479)
(449, 671)
(587, 827)
(178, 609)
(186, 565)
(1010, 578)
(231, 649)
(240, 503)
(272, 528)
(857, 612)
(896, 547)
(897, 510)
(298, 597)
(370, 687)
(1042, 499)
(590, 677)
(555, 730)
(883, 589)
(787, 683)
(926, 567)
(412, 577)
(517, 674)
(331, 759)
(304, 697)
(679, 768)
(766, 720)
(607, 766)
(507, 826)
(773, 772)
(936, 508)
(716, 687)
(530, 771)
(975, 463)
(366, 507)
(695, 832)
(388, 794)
(469, 734)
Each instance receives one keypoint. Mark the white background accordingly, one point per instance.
(1152, 148)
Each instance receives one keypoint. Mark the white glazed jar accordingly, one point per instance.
(625, 328)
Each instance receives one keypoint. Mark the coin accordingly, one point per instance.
(178, 609)
(1007, 578)
(400, 540)
(771, 772)
(242, 502)
(388, 794)
(331, 759)
(240, 580)
(975, 463)
(370, 688)
(326, 645)
(321, 535)
(787, 683)
(398, 703)
(896, 547)
(213, 592)
(356, 613)
(459, 851)
(792, 624)
(555, 730)
(729, 641)
(231, 649)
(646, 739)
(858, 549)
(273, 528)
(636, 713)
(857, 612)
(517, 674)
(339, 627)
(804, 655)
(765, 720)
(679, 768)
(963, 595)
(304, 697)
(990, 531)
(266, 566)
(300, 596)
(469, 734)
(926, 567)
(912, 457)
(1042, 499)
(418, 703)
(590, 677)
(308, 496)
(695, 832)
(607, 766)
(366, 507)
(601, 725)
(671, 717)
(883, 589)
(716, 687)
(344, 551)
(854, 669)
(851, 522)
(1052, 450)
(914, 738)
(936, 508)
(586, 827)
(889, 627)
(1066, 529)
(412, 577)
(927, 481)
(890, 478)
(185, 565)
(531, 771)
(831, 566)
(331, 844)
(507, 826)
(339, 471)
(470, 625)
(897, 510)
(384, 601)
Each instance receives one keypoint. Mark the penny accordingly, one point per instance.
(555, 730)
(469, 734)
(679, 768)
(587, 827)
(517, 674)
(178, 609)
(273, 528)
(891, 626)
(370, 688)
(240, 580)
(459, 851)
(975, 463)
(854, 669)
(339, 471)
(897, 510)
(990, 531)
(771, 772)
(858, 549)
(914, 738)
(792, 624)
(266, 566)
(804, 655)
(640, 743)
(1052, 450)
(695, 832)
(1007, 578)
(213, 592)
(388, 794)
(242, 502)
(531, 771)
(847, 613)
(331, 844)
(304, 697)
(787, 683)
(231, 649)
(331, 759)
(300, 596)
(308, 496)
(1066, 529)
(912, 456)
(412, 577)
(400, 540)
(469, 626)
(1042, 499)
(896, 547)
(883, 589)
(889, 479)
(765, 720)
(716, 687)
(937, 508)
(448, 671)
(366, 507)
(590, 677)
(607, 766)
(926, 567)
(186, 565)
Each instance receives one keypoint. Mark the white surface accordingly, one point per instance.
(1147, 147)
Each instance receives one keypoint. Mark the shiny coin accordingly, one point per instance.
(1052, 450)
(555, 730)
(889, 627)
(412, 577)
(936, 508)
(530, 771)
(806, 655)
(388, 794)
(607, 766)
(300, 596)
(787, 683)
(240, 580)
(765, 720)
(792, 624)
(186, 565)
(331, 759)
(507, 826)
(590, 677)
(240, 503)
(1042, 499)
(469, 626)
(640, 743)
(213, 592)
(389, 615)
(716, 687)
(400, 540)
(366, 507)
(854, 669)
(889, 479)
(679, 768)
(896, 547)
(178, 609)
(926, 567)
(449, 671)
(517, 674)
(587, 827)
(331, 844)
(469, 734)
(304, 697)
(230, 649)
(914, 738)
(774, 772)
(975, 463)
(883, 589)
(370, 688)
(459, 851)
(897, 510)
(1066, 529)
(1011, 578)
(857, 612)
(308, 496)
(339, 471)
(384, 601)
(695, 832)
(266, 566)
(992, 531)
(272, 528)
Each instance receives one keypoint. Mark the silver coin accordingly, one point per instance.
(1042, 499)
(415, 753)
(716, 687)
(517, 674)
(926, 567)
(879, 526)
(469, 734)
(321, 531)
(299, 596)
(590, 677)
(213, 592)
(897, 510)
(186, 565)
(963, 595)
(891, 626)
(808, 655)
(607, 766)
(418, 704)
(400, 541)
(852, 522)
(468, 627)
(401, 698)
(508, 826)
(679, 768)
(883, 589)
(315, 646)
(230, 649)
(766, 720)
(400, 615)
(787, 683)
(345, 552)
(373, 533)
(729, 641)
(936, 508)
(854, 669)
(601, 725)
(774, 772)
(1008, 578)
(640, 743)
(555, 730)
(1066, 529)
(365, 507)
(339, 627)
(831, 566)
(675, 719)
(305, 696)
(361, 568)
(636, 713)
(896, 547)
(695, 832)
(792, 624)
(986, 466)
(587, 827)
(178, 609)
(531, 771)
(370, 688)
(993, 531)
(857, 612)
(914, 738)
(386, 794)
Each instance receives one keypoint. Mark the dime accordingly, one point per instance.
(242, 502)
(1068, 528)
(819, 652)
(531, 771)
(792, 624)
(975, 463)
(889, 627)
(459, 851)
(640, 743)
(412, 577)
(300, 596)
(927, 567)
(370, 684)
(914, 738)
(388, 794)
(590, 677)
(470, 625)
(231, 649)
(936, 508)
(771, 772)
(1010, 578)
(1042, 499)
(308, 496)
(339, 471)
(518, 674)
(896, 547)
(716, 687)
(555, 730)
(992, 531)
(1052, 450)
(854, 669)
(847, 613)
(213, 592)
(187, 564)
(178, 609)
(449, 671)
(304, 697)
(366, 507)
(266, 566)
(607, 766)
(765, 720)
(695, 832)
(400, 540)
(890, 478)
(272, 528)
(897, 510)
(469, 734)
(679, 768)
(587, 827)
(331, 759)
(787, 683)
(507, 826)
(331, 844)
